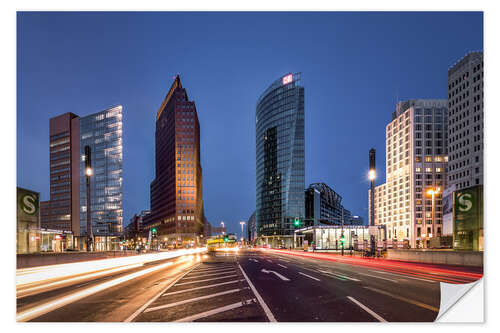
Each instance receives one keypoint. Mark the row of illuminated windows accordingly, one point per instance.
(59, 142)
(59, 149)
(65, 176)
(58, 157)
(52, 165)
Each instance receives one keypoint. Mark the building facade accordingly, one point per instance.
(416, 163)
(62, 211)
(176, 192)
(465, 128)
(280, 164)
(102, 132)
(324, 206)
(252, 228)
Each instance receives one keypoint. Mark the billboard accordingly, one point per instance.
(28, 220)
(448, 211)
(468, 219)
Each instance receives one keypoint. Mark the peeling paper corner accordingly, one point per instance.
(461, 303)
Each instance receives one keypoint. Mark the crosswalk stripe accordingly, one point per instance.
(214, 311)
(204, 280)
(165, 306)
(229, 271)
(197, 288)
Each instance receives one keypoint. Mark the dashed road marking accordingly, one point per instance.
(309, 276)
(367, 309)
(282, 265)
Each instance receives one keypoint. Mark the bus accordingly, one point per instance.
(226, 242)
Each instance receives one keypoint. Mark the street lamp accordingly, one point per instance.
(88, 174)
(432, 192)
(372, 174)
(222, 224)
(242, 223)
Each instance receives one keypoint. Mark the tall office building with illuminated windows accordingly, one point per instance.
(102, 132)
(67, 208)
(176, 192)
(62, 211)
(280, 165)
(416, 162)
(465, 132)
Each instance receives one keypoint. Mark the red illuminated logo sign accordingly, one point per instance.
(287, 79)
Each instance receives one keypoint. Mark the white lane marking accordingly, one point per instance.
(364, 307)
(209, 286)
(229, 271)
(404, 299)
(55, 304)
(148, 303)
(378, 277)
(309, 276)
(213, 269)
(264, 306)
(214, 311)
(204, 280)
(282, 265)
(339, 275)
(165, 306)
(310, 269)
(276, 273)
(409, 277)
(255, 260)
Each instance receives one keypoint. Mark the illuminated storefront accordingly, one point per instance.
(330, 237)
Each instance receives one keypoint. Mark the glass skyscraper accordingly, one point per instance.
(280, 165)
(102, 131)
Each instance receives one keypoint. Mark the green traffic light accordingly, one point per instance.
(153, 230)
(297, 222)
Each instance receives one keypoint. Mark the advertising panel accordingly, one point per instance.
(28, 220)
(468, 219)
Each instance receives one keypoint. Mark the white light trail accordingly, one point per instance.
(50, 306)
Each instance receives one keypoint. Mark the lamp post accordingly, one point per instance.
(242, 223)
(88, 174)
(432, 192)
(342, 234)
(222, 224)
(372, 174)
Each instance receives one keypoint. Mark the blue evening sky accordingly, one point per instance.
(354, 67)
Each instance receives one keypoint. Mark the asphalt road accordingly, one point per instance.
(249, 285)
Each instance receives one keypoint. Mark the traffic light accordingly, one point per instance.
(342, 239)
(296, 223)
(153, 230)
(226, 239)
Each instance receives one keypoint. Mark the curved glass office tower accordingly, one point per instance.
(280, 166)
